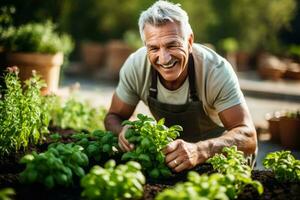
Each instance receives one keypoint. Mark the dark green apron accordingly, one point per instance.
(191, 115)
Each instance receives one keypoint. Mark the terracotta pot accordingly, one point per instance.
(293, 71)
(271, 67)
(274, 129)
(290, 132)
(117, 53)
(46, 65)
(92, 54)
(242, 61)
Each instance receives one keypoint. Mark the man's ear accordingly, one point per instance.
(190, 42)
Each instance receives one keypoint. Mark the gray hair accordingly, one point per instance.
(162, 12)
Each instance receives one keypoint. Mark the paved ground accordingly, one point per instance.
(262, 97)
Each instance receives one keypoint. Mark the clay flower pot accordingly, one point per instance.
(274, 129)
(46, 65)
(117, 52)
(290, 132)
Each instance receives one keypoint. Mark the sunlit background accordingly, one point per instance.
(260, 38)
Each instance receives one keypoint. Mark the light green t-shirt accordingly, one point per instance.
(216, 82)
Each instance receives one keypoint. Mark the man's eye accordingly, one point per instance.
(153, 49)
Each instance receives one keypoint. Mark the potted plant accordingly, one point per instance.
(36, 46)
(289, 126)
(273, 125)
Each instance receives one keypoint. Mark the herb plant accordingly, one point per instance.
(149, 138)
(7, 193)
(78, 115)
(24, 113)
(114, 182)
(197, 187)
(57, 166)
(97, 144)
(36, 37)
(233, 165)
(284, 165)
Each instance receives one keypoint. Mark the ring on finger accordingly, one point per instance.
(175, 161)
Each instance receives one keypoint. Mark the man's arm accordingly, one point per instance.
(181, 155)
(241, 131)
(117, 113)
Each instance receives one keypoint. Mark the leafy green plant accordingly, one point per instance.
(57, 166)
(293, 114)
(284, 165)
(36, 37)
(6, 193)
(24, 113)
(149, 138)
(197, 187)
(97, 144)
(229, 45)
(114, 182)
(233, 164)
(78, 115)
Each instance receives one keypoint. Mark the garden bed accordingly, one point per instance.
(273, 189)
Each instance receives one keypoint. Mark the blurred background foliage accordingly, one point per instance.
(271, 25)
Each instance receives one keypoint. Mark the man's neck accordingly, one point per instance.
(174, 85)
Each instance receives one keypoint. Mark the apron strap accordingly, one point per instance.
(153, 87)
(191, 74)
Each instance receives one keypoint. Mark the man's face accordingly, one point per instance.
(168, 51)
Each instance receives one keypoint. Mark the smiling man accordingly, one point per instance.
(187, 84)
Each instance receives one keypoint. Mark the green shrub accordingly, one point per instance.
(57, 166)
(149, 138)
(114, 182)
(233, 165)
(24, 113)
(78, 115)
(197, 187)
(97, 144)
(284, 165)
(36, 37)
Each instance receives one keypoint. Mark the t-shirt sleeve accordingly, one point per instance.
(126, 89)
(223, 87)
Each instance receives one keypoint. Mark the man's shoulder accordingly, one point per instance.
(206, 53)
(139, 55)
(209, 58)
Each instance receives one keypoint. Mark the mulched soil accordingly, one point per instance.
(10, 168)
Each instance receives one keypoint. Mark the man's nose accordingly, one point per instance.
(164, 57)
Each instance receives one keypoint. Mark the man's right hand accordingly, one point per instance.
(123, 143)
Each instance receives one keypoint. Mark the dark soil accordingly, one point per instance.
(10, 168)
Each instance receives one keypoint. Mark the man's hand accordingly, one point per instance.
(123, 143)
(181, 155)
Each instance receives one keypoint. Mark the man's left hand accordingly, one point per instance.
(181, 155)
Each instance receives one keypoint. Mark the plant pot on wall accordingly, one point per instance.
(46, 65)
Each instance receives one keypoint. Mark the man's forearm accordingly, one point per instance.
(243, 137)
(113, 123)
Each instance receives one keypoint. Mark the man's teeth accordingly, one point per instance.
(169, 65)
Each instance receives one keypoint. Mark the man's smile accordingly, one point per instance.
(169, 65)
